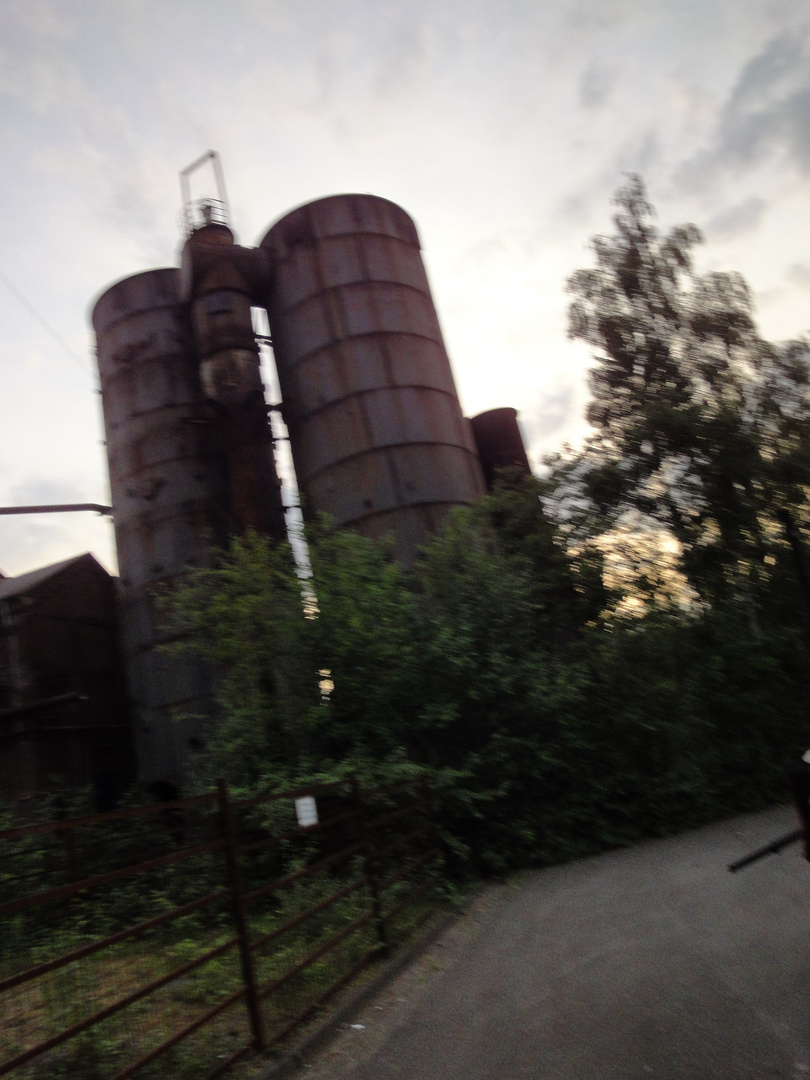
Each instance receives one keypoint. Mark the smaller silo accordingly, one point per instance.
(169, 500)
(499, 442)
(376, 431)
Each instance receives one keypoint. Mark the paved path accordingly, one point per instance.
(648, 962)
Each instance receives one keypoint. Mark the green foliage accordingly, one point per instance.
(610, 652)
(547, 729)
(453, 667)
(700, 425)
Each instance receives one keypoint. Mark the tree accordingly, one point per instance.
(700, 426)
(306, 684)
(466, 667)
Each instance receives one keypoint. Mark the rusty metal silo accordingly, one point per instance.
(376, 431)
(168, 493)
(499, 441)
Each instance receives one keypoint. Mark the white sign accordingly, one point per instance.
(306, 811)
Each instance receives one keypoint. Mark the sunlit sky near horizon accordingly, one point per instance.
(502, 128)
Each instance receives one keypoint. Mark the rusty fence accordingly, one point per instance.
(170, 940)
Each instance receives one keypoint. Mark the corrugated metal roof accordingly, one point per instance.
(17, 586)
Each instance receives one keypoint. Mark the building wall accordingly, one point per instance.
(60, 641)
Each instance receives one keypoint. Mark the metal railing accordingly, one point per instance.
(168, 939)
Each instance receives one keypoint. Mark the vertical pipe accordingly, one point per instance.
(219, 284)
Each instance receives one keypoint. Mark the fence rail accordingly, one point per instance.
(169, 939)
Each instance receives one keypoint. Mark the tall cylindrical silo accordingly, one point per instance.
(376, 431)
(168, 494)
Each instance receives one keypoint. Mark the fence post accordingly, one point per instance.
(368, 858)
(433, 818)
(248, 971)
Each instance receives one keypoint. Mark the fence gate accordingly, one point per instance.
(169, 940)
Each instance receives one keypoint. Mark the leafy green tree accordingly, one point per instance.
(245, 617)
(363, 641)
(700, 425)
(546, 731)
(463, 666)
(307, 685)
(695, 483)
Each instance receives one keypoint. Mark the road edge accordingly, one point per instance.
(294, 1058)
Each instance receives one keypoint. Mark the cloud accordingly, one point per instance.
(596, 84)
(766, 115)
(485, 251)
(799, 274)
(43, 19)
(405, 53)
(47, 491)
(735, 220)
(594, 16)
(638, 154)
(550, 417)
(28, 541)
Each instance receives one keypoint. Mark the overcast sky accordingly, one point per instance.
(503, 128)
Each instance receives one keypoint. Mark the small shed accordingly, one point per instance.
(63, 706)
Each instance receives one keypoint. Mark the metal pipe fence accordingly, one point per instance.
(171, 940)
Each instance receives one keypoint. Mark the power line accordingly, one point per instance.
(45, 324)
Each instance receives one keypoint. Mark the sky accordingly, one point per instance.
(503, 128)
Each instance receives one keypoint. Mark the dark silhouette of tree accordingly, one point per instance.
(700, 425)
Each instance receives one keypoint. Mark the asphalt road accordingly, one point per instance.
(652, 961)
